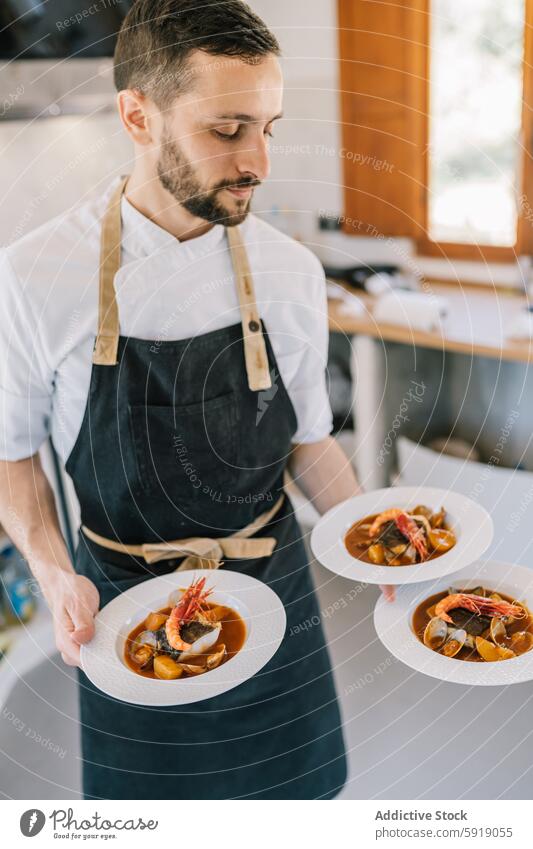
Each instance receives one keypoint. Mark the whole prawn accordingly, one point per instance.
(477, 604)
(405, 524)
(190, 602)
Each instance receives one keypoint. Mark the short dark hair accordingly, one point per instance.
(157, 37)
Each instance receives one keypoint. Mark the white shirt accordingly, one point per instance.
(166, 290)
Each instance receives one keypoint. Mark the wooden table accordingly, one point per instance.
(477, 322)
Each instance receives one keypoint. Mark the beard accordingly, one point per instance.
(177, 175)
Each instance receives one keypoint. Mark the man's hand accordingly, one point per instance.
(388, 591)
(322, 471)
(29, 517)
(74, 600)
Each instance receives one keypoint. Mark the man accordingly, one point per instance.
(177, 359)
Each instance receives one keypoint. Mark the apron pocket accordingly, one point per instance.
(186, 450)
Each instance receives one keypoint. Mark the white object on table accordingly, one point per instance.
(335, 291)
(416, 310)
(378, 283)
(350, 303)
(381, 282)
(521, 327)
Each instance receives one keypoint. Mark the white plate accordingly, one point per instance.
(393, 625)
(103, 658)
(471, 523)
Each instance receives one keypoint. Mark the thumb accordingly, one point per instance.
(83, 623)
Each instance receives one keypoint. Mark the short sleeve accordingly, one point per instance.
(26, 383)
(308, 389)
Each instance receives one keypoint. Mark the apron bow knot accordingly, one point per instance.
(207, 553)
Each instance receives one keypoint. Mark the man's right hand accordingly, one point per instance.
(74, 601)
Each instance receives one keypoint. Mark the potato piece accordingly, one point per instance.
(441, 540)
(154, 621)
(166, 668)
(436, 520)
(376, 554)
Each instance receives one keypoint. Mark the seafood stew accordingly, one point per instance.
(188, 637)
(400, 537)
(474, 625)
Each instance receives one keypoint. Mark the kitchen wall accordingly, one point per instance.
(60, 139)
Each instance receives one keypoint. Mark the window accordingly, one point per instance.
(440, 90)
(475, 94)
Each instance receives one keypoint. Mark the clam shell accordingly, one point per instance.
(435, 633)
(192, 668)
(491, 652)
(454, 643)
(143, 648)
(521, 641)
(498, 632)
(215, 659)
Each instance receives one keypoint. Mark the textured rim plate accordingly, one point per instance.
(393, 625)
(471, 522)
(102, 658)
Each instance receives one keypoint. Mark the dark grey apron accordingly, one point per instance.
(174, 443)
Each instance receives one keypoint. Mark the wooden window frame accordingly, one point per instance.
(412, 220)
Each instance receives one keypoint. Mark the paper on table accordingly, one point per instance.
(349, 302)
(416, 310)
(521, 327)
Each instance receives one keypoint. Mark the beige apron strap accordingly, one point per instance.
(106, 345)
(255, 353)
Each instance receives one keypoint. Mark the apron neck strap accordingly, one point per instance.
(106, 345)
(255, 355)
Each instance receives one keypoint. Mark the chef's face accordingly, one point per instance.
(213, 140)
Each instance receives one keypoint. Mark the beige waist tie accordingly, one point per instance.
(200, 552)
